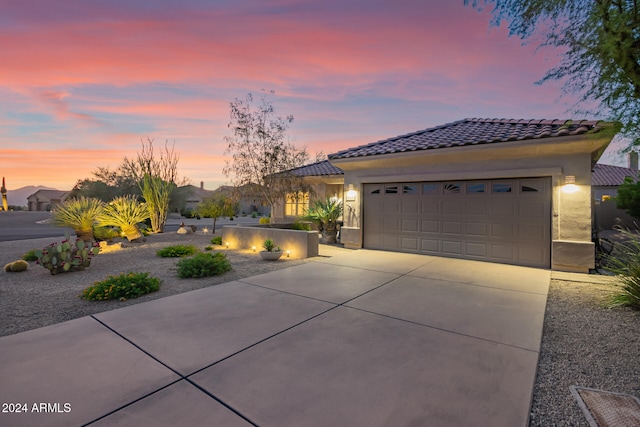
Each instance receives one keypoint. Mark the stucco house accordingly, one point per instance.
(45, 200)
(605, 180)
(507, 191)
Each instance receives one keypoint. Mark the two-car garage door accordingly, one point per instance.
(504, 220)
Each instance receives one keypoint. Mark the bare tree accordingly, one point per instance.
(261, 153)
(157, 174)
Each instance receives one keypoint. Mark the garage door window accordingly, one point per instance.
(429, 188)
(410, 189)
(451, 188)
(501, 187)
(476, 188)
(391, 189)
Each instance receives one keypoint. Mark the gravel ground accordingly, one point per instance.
(583, 343)
(35, 298)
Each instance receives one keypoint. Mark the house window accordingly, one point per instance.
(606, 197)
(297, 204)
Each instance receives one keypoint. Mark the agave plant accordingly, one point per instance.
(125, 212)
(79, 214)
(326, 213)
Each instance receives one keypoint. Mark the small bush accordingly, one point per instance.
(299, 225)
(254, 214)
(265, 220)
(177, 251)
(123, 287)
(208, 248)
(203, 265)
(216, 240)
(30, 256)
(105, 233)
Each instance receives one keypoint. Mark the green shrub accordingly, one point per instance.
(177, 251)
(624, 262)
(254, 214)
(208, 248)
(299, 225)
(123, 287)
(79, 214)
(203, 265)
(105, 233)
(217, 240)
(30, 256)
(124, 212)
(265, 220)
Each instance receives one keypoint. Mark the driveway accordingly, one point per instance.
(352, 338)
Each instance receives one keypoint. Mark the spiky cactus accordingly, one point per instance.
(67, 256)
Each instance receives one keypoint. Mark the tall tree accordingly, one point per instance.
(601, 44)
(157, 174)
(261, 153)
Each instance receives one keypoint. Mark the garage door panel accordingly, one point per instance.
(430, 226)
(477, 229)
(410, 206)
(409, 243)
(476, 206)
(410, 225)
(532, 209)
(452, 207)
(430, 206)
(501, 231)
(452, 227)
(452, 247)
(502, 206)
(430, 245)
(476, 249)
(506, 220)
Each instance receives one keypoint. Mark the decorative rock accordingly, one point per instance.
(184, 230)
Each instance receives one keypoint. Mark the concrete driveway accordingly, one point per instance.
(353, 338)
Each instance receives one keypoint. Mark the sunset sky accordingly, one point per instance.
(83, 81)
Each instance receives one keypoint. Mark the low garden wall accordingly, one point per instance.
(298, 243)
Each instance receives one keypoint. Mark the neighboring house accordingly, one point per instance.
(247, 196)
(508, 191)
(196, 195)
(605, 180)
(45, 200)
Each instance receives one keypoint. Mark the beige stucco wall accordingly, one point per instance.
(572, 249)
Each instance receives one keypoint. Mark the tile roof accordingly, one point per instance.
(610, 176)
(322, 168)
(470, 132)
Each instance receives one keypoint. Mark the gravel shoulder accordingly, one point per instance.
(34, 298)
(583, 343)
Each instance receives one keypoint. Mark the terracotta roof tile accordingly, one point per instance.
(470, 132)
(323, 168)
(610, 176)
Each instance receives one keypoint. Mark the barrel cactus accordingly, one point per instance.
(16, 266)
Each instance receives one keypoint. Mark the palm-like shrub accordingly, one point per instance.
(79, 214)
(126, 213)
(326, 214)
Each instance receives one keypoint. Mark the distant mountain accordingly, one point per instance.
(18, 197)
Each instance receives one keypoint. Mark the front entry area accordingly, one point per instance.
(501, 220)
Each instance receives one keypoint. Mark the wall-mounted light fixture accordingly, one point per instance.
(570, 184)
(351, 194)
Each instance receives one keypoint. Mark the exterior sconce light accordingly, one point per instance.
(351, 194)
(570, 184)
